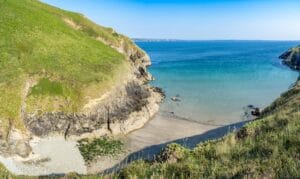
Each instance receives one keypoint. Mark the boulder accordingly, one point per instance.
(22, 149)
(176, 98)
(255, 112)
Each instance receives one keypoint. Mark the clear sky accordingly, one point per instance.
(191, 19)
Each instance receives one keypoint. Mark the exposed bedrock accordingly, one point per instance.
(127, 107)
(292, 58)
(121, 113)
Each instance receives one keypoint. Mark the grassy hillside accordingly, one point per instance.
(267, 147)
(64, 56)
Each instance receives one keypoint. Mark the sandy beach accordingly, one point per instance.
(55, 155)
(51, 155)
(163, 128)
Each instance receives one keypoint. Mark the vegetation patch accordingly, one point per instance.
(36, 41)
(92, 148)
(4, 173)
(47, 87)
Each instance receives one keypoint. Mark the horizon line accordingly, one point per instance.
(171, 39)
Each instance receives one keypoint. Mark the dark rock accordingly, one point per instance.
(135, 97)
(251, 112)
(159, 90)
(291, 58)
(255, 112)
(176, 99)
(250, 106)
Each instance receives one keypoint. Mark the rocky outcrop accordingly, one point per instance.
(127, 107)
(139, 59)
(133, 102)
(292, 58)
(15, 143)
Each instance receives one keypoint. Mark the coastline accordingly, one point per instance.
(54, 153)
(163, 128)
(142, 139)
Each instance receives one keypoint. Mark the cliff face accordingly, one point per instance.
(292, 58)
(125, 107)
(76, 79)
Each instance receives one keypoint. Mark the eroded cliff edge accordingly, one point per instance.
(77, 80)
(292, 58)
(125, 107)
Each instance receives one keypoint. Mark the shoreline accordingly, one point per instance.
(143, 137)
(161, 129)
(143, 143)
(164, 129)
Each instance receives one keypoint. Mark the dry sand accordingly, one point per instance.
(52, 155)
(55, 155)
(163, 128)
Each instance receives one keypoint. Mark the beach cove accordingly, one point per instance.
(183, 75)
(172, 123)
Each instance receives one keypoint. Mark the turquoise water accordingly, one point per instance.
(215, 80)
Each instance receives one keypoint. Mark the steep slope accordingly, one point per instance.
(266, 148)
(292, 57)
(61, 73)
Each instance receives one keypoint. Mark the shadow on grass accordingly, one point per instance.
(150, 152)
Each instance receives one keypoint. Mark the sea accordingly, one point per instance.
(213, 82)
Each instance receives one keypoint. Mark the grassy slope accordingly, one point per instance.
(268, 147)
(59, 50)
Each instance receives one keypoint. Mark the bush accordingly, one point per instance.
(92, 148)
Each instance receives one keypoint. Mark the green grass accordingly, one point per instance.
(4, 173)
(92, 148)
(296, 49)
(47, 87)
(69, 64)
(267, 147)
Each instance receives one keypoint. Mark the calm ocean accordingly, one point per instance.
(215, 80)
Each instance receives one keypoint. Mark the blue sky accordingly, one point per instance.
(191, 19)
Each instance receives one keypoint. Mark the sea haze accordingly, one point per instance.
(215, 80)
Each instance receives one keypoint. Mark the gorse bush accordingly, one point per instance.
(92, 148)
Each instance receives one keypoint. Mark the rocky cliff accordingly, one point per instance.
(77, 79)
(292, 58)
